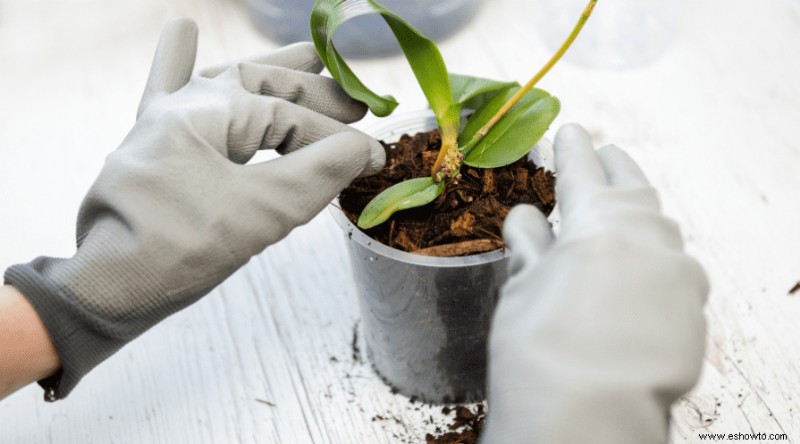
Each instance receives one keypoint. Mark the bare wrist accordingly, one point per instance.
(27, 353)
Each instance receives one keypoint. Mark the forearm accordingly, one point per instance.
(26, 352)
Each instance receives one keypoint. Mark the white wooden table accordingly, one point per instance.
(267, 356)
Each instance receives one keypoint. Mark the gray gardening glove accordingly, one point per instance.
(174, 211)
(599, 330)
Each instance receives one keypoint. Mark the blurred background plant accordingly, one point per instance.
(286, 21)
(627, 34)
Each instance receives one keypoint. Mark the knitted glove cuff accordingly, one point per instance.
(82, 339)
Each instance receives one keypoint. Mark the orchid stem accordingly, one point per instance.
(542, 72)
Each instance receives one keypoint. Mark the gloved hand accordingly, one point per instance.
(174, 211)
(599, 330)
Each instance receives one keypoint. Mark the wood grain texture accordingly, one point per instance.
(266, 358)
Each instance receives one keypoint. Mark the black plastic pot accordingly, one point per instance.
(426, 319)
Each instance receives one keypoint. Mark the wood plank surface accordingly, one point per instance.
(267, 357)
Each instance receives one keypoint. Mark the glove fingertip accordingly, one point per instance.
(173, 62)
(184, 24)
(347, 155)
(613, 154)
(377, 158)
(572, 131)
(525, 224)
(621, 170)
(359, 150)
(304, 57)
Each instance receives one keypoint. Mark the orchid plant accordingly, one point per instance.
(508, 119)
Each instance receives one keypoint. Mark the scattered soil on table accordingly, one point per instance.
(467, 218)
(354, 343)
(465, 428)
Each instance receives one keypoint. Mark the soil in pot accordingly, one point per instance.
(467, 218)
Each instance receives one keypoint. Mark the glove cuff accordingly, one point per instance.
(82, 339)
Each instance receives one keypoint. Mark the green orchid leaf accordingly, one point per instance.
(422, 54)
(402, 196)
(514, 135)
(482, 115)
(473, 92)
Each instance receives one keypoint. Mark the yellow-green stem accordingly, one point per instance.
(449, 145)
(528, 86)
